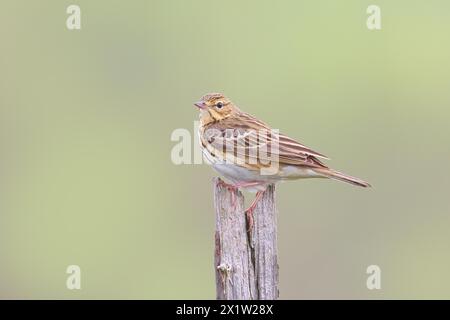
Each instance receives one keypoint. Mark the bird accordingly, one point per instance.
(251, 155)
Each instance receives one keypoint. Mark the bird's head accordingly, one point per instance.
(215, 106)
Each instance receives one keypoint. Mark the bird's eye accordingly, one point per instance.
(219, 105)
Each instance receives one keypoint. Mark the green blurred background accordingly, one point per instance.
(86, 118)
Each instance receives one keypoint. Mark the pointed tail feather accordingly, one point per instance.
(333, 174)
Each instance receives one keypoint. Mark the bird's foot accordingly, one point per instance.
(232, 189)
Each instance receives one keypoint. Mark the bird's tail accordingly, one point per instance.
(333, 174)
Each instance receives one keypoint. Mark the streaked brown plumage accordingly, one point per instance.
(223, 124)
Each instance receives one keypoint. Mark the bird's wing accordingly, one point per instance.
(244, 138)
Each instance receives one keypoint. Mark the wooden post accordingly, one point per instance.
(246, 264)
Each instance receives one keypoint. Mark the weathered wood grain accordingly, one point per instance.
(246, 264)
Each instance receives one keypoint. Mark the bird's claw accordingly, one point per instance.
(232, 189)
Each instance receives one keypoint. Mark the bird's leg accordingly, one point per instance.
(249, 211)
(246, 184)
(235, 187)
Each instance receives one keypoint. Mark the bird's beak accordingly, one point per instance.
(200, 105)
